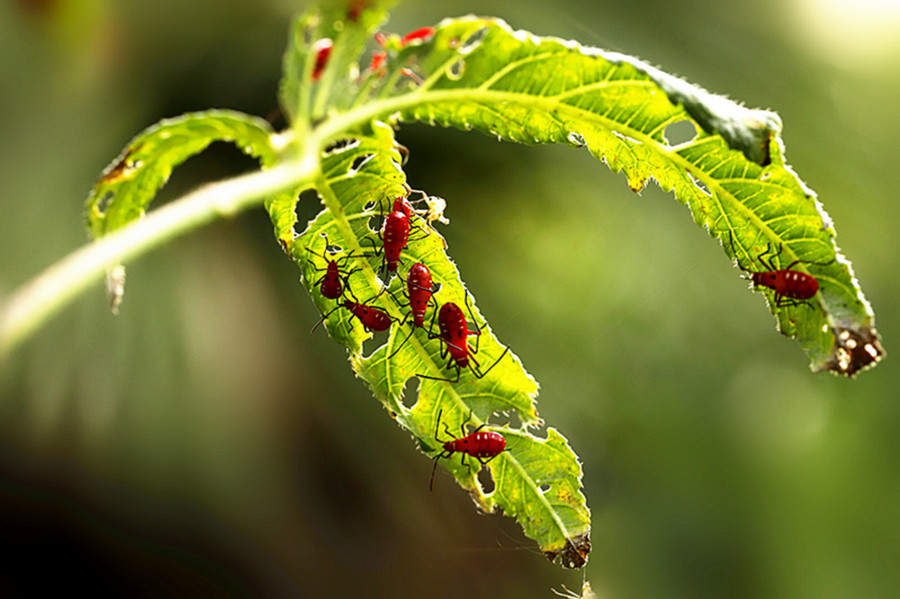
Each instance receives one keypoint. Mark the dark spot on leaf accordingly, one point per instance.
(103, 203)
(574, 554)
(680, 132)
(285, 245)
(854, 350)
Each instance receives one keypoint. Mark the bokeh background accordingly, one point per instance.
(203, 443)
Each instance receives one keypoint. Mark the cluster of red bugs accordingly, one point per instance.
(322, 48)
(791, 287)
(453, 329)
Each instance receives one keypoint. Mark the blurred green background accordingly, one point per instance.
(204, 443)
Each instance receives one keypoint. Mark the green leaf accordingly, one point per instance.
(536, 480)
(130, 183)
(349, 25)
(480, 74)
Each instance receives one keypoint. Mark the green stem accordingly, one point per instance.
(22, 313)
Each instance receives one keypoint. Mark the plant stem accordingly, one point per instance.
(23, 312)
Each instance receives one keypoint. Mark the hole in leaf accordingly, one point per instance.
(378, 338)
(104, 202)
(332, 248)
(509, 417)
(410, 394)
(485, 479)
(375, 222)
(341, 145)
(473, 41)
(576, 139)
(456, 70)
(306, 208)
(359, 162)
(700, 185)
(680, 132)
(544, 488)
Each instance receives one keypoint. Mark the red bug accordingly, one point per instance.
(322, 48)
(791, 286)
(372, 318)
(434, 209)
(395, 233)
(454, 334)
(356, 9)
(419, 288)
(484, 446)
(378, 60)
(423, 34)
(331, 284)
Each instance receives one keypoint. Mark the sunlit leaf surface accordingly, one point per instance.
(535, 480)
(130, 183)
(729, 168)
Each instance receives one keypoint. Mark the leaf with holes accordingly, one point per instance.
(479, 74)
(320, 64)
(129, 184)
(537, 480)
(725, 162)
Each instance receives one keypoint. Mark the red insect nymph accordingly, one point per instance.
(331, 284)
(371, 317)
(484, 446)
(395, 234)
(423, 34)
(790, 286)
(454, 334)
(322, 48)
(420, 288)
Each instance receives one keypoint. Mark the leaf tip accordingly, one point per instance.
(574, 553)
(854, 350)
